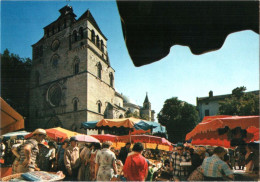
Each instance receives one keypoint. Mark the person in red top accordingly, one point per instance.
(136, 166)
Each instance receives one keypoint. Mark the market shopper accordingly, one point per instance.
(136, 166)
(178, 172)
(106, 166)
(83, 174)
(72, 160)
(29, 151)
(15, 151)
(214, 168)
(60, 156)
(92, 161)
(124, 152)
(42, 160)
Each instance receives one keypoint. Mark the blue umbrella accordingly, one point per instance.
(14, 135)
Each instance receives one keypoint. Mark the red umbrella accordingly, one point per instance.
(86, 138)
(106, 137)
(144, 139)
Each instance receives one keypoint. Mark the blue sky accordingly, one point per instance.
(181, 74)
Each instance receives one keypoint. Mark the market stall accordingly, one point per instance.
(57, 134)
(225, 131)
(10, 119)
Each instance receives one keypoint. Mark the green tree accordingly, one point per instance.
(179, 118)
(15, 77)
(240, 103)
(129, 114)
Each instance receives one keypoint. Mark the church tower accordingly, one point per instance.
(71, 78)
(146, 110)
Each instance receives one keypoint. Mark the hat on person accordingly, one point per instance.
(180, 144)
(39, 131)
(66, 141)
(73, 139)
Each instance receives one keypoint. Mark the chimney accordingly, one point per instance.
(211, 93)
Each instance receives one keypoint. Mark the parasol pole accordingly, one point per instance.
(130, 134)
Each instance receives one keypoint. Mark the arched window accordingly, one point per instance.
(97, 41)
(76, 66)
(99, 70)
(111, 79)
(75, 102)
(75, 105)
(99, 106)
(55, 60)
(75, 36)
(93, 36)
(81, 33)
(102, 46)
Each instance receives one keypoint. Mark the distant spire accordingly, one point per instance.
(146, 98)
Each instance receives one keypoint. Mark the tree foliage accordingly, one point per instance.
(15, 77)
(179, 118)
(240, 103)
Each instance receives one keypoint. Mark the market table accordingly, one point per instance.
(36, 176)
(241, 175)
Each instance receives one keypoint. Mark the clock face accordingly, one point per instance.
(55, 45)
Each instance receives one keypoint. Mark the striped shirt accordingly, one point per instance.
(176, 160)
(214, 167)
(34, 152)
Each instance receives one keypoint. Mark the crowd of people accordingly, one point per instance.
(100, 162)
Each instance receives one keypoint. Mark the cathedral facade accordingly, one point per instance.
(72, 80)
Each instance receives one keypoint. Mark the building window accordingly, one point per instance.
(97, 41)
(58, 27)
(75, 36)
(75, 105)
(54, 95)
(102, 46)
(55, 60)
(99, 70)
(76, 68)
(52, 30)
(99, 106)
(206, 112)
(93, 36)
(81, 33)
(111, 79)
(75, 102)
(48, 32)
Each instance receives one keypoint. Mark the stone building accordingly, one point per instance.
(142, 111)
(72, 80)
(209, 106)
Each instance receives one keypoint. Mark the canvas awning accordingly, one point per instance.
(124, 122)
(207, 132)
(232, 122)
(89, 124)
(10, 119)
